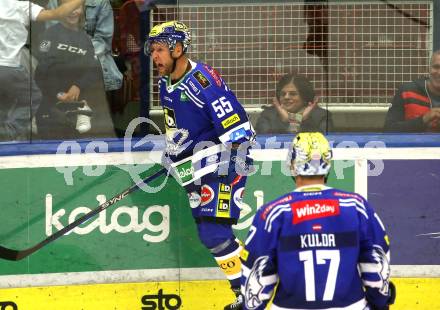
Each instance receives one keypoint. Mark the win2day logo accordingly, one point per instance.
(161, 301)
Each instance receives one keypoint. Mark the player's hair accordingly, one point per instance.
(303, 85)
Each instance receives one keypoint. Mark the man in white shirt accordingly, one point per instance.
(20, 96)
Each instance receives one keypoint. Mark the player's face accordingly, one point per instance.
(290, 98)
(435, 73)
(160, 54)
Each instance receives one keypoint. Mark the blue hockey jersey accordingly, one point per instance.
(201, 114)
(325, 248)
(200, 107)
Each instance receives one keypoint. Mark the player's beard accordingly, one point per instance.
(164, 70)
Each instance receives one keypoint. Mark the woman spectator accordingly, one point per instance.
(294, 109)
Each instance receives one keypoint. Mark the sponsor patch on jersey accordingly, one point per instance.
(274, 204)
(212, 159)
(193, 87)
(231, 120)
(169, 118)
(237, 134)
(194, 200)
(185, 171)
(307, 210)
(317, 227)
(339, 194)
(214, 74)
(317, 193)
(244, 254)
(45, 46)
(201, 79)
(224, 200)
(230, 266)
(207, 194)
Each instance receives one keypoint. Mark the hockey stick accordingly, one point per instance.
(14, 255)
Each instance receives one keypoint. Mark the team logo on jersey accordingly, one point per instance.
(183, 97)
(254, 283)
(201, 79)
(382, 266)
(231, 120)
(207, 194)
(215, 75)
(169, 118)
(307, 210)
(45, 46)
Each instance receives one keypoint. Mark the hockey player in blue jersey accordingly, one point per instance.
(208, 137)
(316, 247)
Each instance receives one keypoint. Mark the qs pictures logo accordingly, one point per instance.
(161, 301)
(8, 305)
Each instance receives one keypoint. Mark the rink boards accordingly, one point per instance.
(146, 245)
(413, 294)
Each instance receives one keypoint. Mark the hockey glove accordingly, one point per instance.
(235, 162)
(391, 298)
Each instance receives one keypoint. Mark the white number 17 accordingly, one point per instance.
(309, 272)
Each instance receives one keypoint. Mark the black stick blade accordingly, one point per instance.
(9, 254)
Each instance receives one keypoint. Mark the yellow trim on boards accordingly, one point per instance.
(412, 294)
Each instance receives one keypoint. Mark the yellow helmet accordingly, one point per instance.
(169, 33)
(311, 154)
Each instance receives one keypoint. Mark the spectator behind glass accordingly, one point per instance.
(20, 96)
(70, 78)
(416, 105)
(99, 25)
(294, 109)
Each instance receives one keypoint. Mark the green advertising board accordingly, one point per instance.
(143, 231)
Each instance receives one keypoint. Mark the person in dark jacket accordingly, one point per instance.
(294, 109)
(416, 105)
(68, 71)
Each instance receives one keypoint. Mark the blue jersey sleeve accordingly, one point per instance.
(259, 269)
(374, 261)
(221, 105)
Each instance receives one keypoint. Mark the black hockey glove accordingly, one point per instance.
(391, 298)
(238, 163)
